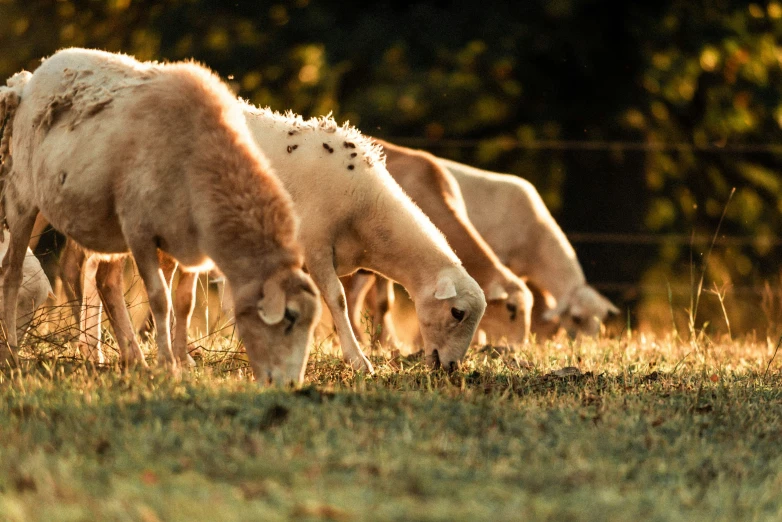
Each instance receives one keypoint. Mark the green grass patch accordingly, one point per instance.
(642, 429)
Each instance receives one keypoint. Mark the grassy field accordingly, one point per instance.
(614, 429)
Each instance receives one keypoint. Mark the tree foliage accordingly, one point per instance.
(489, 82)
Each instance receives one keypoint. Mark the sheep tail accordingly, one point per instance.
(10, 96)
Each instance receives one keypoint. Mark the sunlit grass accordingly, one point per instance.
(640, 427)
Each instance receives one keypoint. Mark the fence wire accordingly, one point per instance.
(593, 145)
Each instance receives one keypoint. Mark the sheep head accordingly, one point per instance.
(582, 312)
(508, 311)
(448, 311)
(276, 321)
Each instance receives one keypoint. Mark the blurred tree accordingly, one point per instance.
(485, 83)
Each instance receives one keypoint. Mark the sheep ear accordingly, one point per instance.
(445, 289)
(271, 308)
(610, 309)
(613, 310)
(496, 292)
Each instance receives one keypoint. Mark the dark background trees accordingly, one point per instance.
(634, 121)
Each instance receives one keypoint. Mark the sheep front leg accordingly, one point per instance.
(168, 265)
(20, 227)
(183, 311)
(159, 300)
(325, 277)
(110, 284)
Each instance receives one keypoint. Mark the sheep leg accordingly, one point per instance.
(90, 312)
(159, 300)
(384, 301)
(168, 265)
(72, 260)
(110, 286)
(357, 287)
(38, 229)
(377, 293)
(184, 303)
(20, 225)
(325, 277)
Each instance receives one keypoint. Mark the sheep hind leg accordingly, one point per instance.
(78, 271)
(110, 285)
(72, 261)
(324, 275)
(20, 227)
(159, 296)
(357, 289)
(384, 302)
(184, 303)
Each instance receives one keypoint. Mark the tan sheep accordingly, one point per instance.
(354, 215)
(510, 214)
(436, 192)
(126, 156)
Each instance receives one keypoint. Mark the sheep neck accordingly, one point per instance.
(553, 265)
(402, 246)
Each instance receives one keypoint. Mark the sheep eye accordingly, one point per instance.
(457, 314)
(513, 310)
(290, 316)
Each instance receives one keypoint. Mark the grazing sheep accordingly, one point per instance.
(436, 192)
(510, 214)
(354, 215)
(124, 156)
(33, 292)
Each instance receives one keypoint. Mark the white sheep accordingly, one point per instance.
(436, 192)
(354, 215)
(512, 217)
(33, 292)
(121, 156)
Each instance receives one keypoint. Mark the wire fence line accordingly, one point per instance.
(613, 238)
(637, 289)
(594, 145)
(629, 288)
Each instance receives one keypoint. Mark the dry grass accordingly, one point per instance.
(628, 427)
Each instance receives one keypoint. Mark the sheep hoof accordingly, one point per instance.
(361, 364)
(92, 354)
(170, 364)
(187, 362)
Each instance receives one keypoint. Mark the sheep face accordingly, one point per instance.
(277, 324)
(508, 316)
(448, 315)
(583, 312)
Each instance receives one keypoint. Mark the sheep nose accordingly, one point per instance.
(435, 361)
(453, 366)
